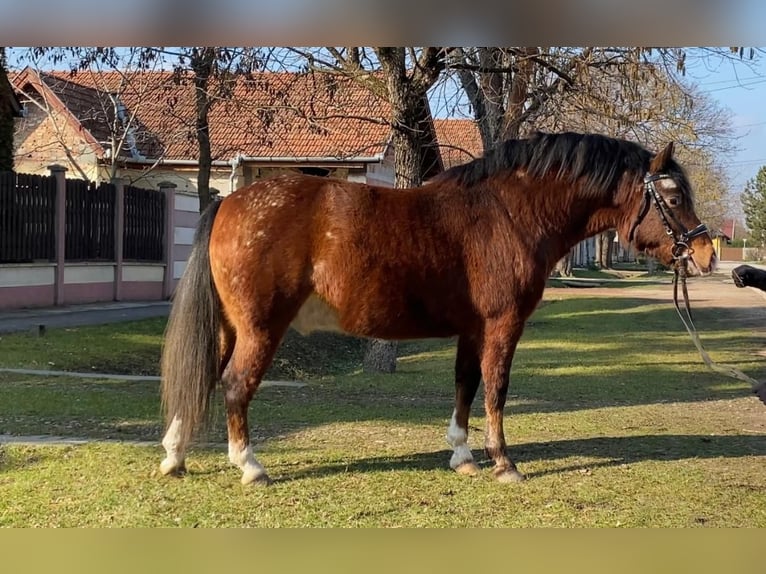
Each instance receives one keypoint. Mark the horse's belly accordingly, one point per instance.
(364, 304)
(316, 315)
(394, 321)
(364, 321)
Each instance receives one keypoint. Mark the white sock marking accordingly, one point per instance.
(457, 438)
(174, 450)
(252, 470)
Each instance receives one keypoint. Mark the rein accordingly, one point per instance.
(759, 388)
(681, 254)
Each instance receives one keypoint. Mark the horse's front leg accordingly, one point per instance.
(500, 342)
(467, 377)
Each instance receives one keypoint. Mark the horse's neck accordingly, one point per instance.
(563, 211)
(602, 220)
(564, 216)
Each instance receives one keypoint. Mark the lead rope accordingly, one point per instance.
(759, 388)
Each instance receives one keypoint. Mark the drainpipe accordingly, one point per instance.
(122, 116)
(235, 163)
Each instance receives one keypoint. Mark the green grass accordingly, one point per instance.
(135, 349)
(611, 414)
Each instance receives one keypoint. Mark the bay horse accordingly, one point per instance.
(465, 255)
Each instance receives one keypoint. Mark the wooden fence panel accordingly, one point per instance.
(103, 205)
(89, 221)
(27, 218)
(144, 225)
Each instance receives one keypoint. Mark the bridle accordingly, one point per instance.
(681, 239)
(681, 253)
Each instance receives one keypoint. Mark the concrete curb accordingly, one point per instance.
(117, 377)
(51, 440)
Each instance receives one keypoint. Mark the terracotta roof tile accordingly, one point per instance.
(271, 115)
(459, 141)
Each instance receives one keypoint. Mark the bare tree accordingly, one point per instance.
(213, 72)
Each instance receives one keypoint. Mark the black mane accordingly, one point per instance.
(569, 156)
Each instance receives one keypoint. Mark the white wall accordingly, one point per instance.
(186, 217)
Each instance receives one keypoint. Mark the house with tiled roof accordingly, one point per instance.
(140, 127)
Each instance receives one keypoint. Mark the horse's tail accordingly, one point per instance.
(191, 353)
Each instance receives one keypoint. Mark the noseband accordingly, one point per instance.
(681, 249)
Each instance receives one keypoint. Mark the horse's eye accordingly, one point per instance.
(674, 200)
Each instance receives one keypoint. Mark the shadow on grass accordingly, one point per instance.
(613, 451)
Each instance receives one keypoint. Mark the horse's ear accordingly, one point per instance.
(661, 160)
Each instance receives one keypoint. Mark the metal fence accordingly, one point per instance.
(28, 220)
(144, 225)
(90, 221)
(27, 217)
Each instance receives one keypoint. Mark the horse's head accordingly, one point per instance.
(664, 224)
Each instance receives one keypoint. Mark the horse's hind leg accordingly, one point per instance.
(175, 448)
(174, 462)
(467, 377)
(251, 358)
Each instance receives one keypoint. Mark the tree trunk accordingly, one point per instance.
(414, 143)
(202, 64)
(604, 245)
(380, 356)
(564, 266)
(610, 235)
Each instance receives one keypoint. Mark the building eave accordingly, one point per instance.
(264, 160)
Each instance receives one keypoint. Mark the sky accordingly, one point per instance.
(742, 91)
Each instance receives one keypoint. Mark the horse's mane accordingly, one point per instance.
(569, 156)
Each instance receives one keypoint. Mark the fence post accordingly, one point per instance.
(169, 190)
(59, 172)
(119, 234)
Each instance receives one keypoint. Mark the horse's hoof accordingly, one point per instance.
(261, 479)
(506, 475)
(468, 469)
(172, 468)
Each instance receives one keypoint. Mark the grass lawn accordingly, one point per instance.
(611, 414)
